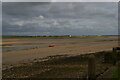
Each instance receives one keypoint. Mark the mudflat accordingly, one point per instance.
(34, 48)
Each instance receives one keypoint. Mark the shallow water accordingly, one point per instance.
(15, 48)
(17, 44)
(21, 47)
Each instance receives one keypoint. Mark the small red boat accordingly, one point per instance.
(51, 45)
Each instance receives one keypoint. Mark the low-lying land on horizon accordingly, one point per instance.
(59, 36)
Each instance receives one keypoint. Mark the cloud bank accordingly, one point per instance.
(71, 18)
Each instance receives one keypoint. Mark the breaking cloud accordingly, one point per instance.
(62, 18)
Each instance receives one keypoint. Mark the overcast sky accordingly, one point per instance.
(60, 18)
(60, 0)
(0, 20)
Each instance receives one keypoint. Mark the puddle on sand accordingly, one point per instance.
(22, 46)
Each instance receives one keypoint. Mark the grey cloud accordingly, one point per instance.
(59, 18)
(26, 0)
(0, 19)
(60, 0)
(23, 10)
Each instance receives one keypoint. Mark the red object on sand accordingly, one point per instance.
(52, 45)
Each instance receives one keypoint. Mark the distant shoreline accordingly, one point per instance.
(56, 36)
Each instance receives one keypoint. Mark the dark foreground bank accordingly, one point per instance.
(68, 67)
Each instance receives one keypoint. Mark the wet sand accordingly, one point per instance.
(70, 46)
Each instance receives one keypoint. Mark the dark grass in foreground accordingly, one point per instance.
(59, 66)
(116, 73)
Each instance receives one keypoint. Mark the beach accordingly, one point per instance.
(64, 46)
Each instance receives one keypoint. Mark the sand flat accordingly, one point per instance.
(73, 46)
(13, 42)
